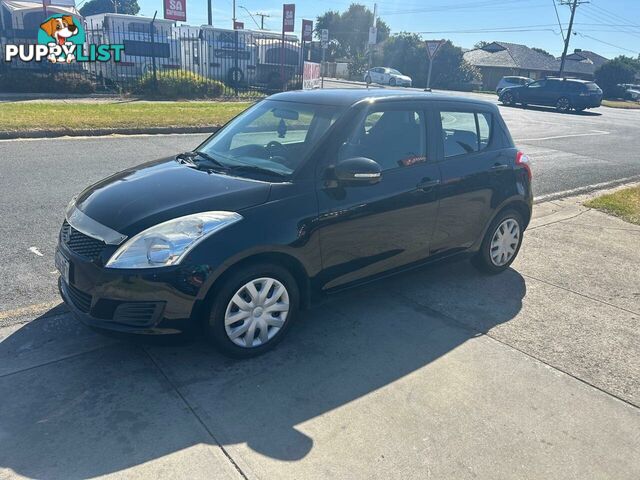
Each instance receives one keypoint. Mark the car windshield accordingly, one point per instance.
(272, 137)
(394, 71)
(591, 86)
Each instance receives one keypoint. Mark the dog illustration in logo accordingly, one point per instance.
(61, 29)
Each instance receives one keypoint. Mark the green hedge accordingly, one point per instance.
(25, 81)
(174, 84)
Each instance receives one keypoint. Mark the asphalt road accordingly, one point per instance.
(38, 177)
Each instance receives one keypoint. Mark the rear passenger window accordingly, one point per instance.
(465, 132)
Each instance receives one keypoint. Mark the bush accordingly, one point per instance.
(612, 73)
(175, 84)
(27, 81)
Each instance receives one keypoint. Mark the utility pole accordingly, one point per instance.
(574, 4)
(262, 17)
(234, 14)
(209, 12)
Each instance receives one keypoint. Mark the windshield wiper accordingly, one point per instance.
(256, 169)
(210, 162)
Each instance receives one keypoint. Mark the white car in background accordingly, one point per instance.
(387, 76)
(512, 82)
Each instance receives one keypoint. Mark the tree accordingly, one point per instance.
(93, 7)
(481, 44)
(542, 51)
(350, 29)
(407, 52)
(619, 70)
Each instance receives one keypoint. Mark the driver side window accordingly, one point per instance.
(538, 84)
(393, 138)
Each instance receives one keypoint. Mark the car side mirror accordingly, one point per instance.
(357, 171)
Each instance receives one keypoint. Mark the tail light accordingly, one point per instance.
(523, 161)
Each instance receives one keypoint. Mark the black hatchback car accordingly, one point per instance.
(562, 93)
(304, 194)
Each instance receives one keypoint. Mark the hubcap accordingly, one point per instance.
(256, 312)
(505, 242)
(563, 104)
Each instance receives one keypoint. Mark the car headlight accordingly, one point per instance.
(169, 242)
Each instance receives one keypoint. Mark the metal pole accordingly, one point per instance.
(209, 12)
(234, 14)
(324, 49)
(566, 41)
(153, 52)
(428, 89)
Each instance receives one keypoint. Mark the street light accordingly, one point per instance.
(254, 20)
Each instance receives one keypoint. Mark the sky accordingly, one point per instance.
(607, 27)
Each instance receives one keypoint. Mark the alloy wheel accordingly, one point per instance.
(563, 105)
(504, 242)
(507, 99)
(256, 312)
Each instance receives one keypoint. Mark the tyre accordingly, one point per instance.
(253, 310)
(563, 105)
(580, 110)
(501, 243)
(507, 99)
(367, 79)
(392, 82)
(235, 76)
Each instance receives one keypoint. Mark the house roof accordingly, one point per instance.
(511, 55)
(584, 61)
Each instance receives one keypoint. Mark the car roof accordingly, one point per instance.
(577, 80)
(351, 96)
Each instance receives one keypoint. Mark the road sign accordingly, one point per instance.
(238, 25)
(373, 35)
(324, 37)
(175, 10)
(433, 46)
(307, 30)
(288, 17)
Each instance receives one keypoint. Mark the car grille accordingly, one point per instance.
(81, 244)
(81, 300)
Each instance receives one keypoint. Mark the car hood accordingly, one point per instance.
(143, 196)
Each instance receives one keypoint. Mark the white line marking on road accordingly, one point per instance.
(585, 189)
(593, 133)
(36, 251)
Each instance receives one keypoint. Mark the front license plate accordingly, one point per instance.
(62, 264)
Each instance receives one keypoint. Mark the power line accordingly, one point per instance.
(555, 7)
(607, 43)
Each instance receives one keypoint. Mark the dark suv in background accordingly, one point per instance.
(562, 93)
(304, 194)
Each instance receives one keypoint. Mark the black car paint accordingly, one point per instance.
(552, 91)
(330, 236)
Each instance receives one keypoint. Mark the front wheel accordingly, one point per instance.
(392, 82)
(563, 105)
(367, 79)
(253, 309)
(501, 243)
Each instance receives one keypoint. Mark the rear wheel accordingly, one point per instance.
(253, 310)
(580, 110)
(501, 243)
(563, 105)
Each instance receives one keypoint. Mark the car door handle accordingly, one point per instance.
(428, 183)
(500, 166)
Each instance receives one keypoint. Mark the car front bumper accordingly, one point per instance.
(146, 301)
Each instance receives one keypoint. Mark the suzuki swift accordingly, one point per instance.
(304, 194)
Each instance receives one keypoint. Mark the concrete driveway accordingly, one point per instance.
(440, 373)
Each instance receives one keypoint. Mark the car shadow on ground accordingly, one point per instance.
(584, 113)
(102, 405)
